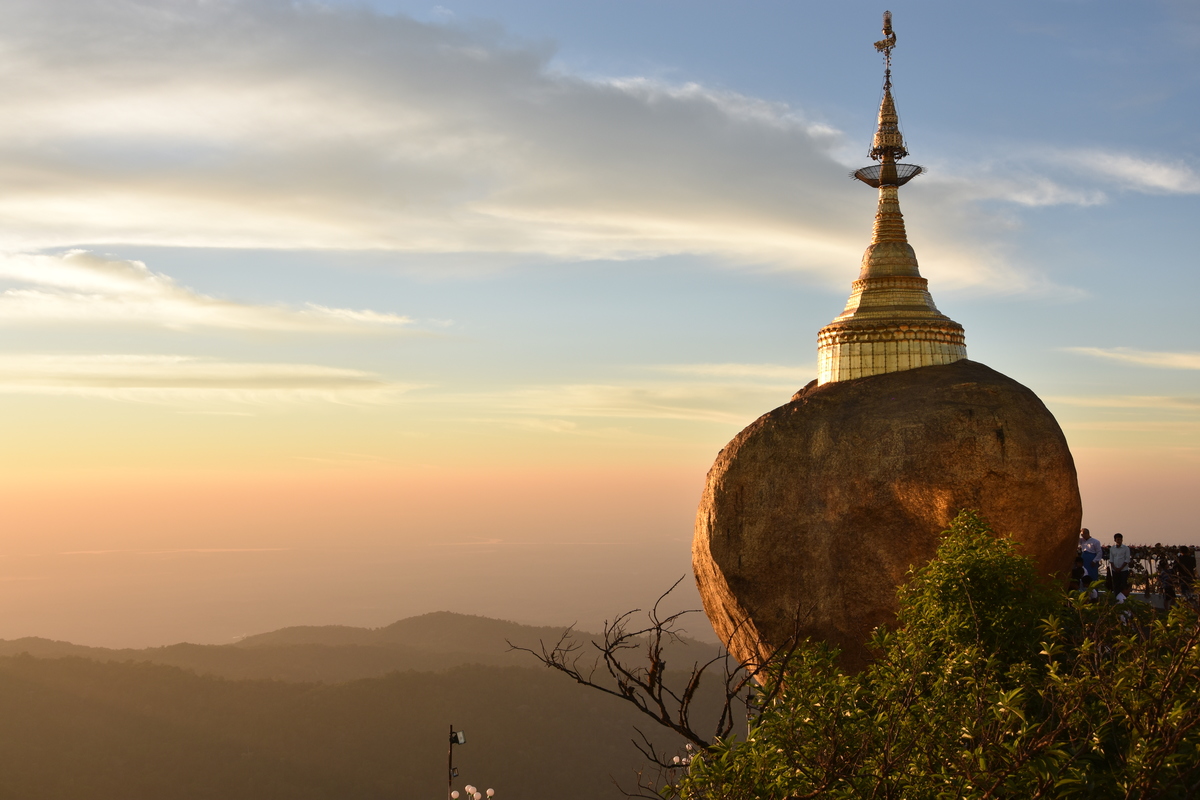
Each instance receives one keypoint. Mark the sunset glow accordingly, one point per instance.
(345, 312)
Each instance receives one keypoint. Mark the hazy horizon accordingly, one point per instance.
(342, 313)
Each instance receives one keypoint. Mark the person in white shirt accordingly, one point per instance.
(1119, 562)
(1090, 549)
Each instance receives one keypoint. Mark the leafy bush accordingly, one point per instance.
(994, 684)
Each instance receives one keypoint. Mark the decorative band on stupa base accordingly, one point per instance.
(847, 352)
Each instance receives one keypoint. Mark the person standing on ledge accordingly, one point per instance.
(1118, 565)
(1090, 549)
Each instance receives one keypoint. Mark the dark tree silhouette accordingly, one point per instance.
(629, 662)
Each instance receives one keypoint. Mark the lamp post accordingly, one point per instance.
(458, 737)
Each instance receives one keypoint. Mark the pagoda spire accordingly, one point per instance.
(890, 322)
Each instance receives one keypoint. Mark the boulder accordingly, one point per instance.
(813, 515)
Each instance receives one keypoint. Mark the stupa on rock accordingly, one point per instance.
(812, 516)
(890, 322)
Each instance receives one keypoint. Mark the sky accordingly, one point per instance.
(341, 312)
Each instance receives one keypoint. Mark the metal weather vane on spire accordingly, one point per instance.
(888, 41)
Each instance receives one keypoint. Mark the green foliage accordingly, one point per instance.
(993, 686)
(977, 590)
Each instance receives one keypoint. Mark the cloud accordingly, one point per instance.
(1146, 358)
(1041, 176)
(1137, 174)
(189, 550)
(270, 124)
(176, 379)
(261, 123)
(1175, 428)
(79, 287)
(605, 401)
(1029, 187)
(1131, 401)
(775, 373)
(724, 394)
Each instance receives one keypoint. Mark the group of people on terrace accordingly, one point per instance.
(1169, 571)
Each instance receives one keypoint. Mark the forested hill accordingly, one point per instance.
(74, 728)
(335, 653)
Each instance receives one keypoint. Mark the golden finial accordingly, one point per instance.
(888, 145)
(888, 41)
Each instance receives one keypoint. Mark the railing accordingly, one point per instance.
(1152, 567)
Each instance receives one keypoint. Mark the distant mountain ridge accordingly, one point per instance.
(438, 631)
(431, 642)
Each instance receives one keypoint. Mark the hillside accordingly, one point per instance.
(337, 653)
(77, 728)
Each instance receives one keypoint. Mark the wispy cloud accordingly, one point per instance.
(187, 550)
(174, 379)
(314, 126)
(730, 396)
(317, 126)
(688, 403)
(1154, 402)
(1146, 358)
(79, 287)
(1021, 180)
(775, 373)
(1042, 176)
(1180, 430)
(1153, 176)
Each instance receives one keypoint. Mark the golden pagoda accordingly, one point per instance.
(890, 322)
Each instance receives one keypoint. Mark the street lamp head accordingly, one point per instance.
(491, 792)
